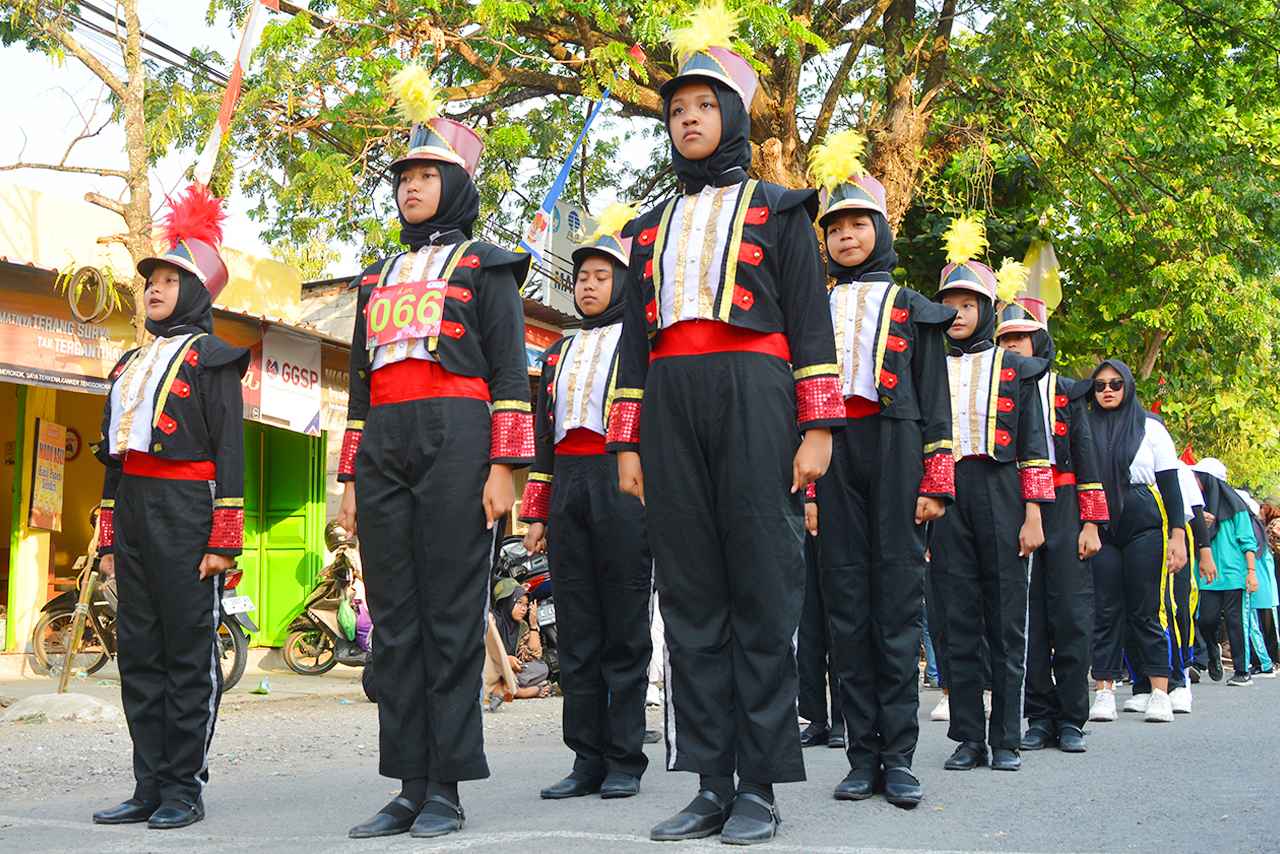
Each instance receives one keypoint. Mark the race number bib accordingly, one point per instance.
(405, 312)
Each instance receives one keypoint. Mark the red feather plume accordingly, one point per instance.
(196, 214)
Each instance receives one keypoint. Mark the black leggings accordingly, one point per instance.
(1215, 607)
(1126, 585)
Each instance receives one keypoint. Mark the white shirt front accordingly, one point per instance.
(1155, 454)
(969, 375)
(1190, 488)
(693, 253)
(855, 317)
(427, 263)
(1045, 388)
(150, 367)
(582, 378)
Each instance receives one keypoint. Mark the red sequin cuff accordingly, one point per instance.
(939, 479)
(1093, 504)
(624, 423)
(811, 492)
(819, 399)
(228, 528)
(106, 529)
(1037, 483)
(535, 506)
(511, 436)
(347, 458)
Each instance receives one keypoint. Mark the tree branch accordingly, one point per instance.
(103, 202)
(832, 96)
(90, 61)
(79, 170)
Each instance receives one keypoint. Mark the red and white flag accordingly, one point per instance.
(248, 41)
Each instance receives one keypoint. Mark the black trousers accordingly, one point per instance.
(984, 583)
(872, 556)
(603, 575)
(717, 442)
(1129, 576)
(1059, 619)
(1176, 620)
(420, 476)
(167, 629)
(815, 663)
(1225, 606)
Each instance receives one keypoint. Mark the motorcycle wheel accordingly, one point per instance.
(233, 652)
(309, 652)
(49, 641)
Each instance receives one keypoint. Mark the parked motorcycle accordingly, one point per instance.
(51, 636)
(534, 573)
(317, 639)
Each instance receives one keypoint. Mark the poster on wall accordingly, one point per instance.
(291, 390)
(47, 475)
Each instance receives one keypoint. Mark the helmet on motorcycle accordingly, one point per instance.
(335, 535)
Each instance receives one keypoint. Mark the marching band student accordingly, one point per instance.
(727, 346)
(1142, 541)
(172, 516)
(1060, 612)
(980, 547)
(891, 473)
(438, 415)
(595, 533)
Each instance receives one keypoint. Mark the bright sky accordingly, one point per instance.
(41, 113)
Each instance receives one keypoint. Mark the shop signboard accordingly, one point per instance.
(47, 475)
(291, 389)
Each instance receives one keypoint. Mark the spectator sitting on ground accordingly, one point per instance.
(517, 628)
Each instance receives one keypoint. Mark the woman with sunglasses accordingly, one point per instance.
(1140, 475)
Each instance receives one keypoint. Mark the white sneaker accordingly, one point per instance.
(942, 711)
(1159, 709)
(1104, 706)
(653, 697)
(1267, 674)
(986, 703)
(1180, 699)
(1137, 703)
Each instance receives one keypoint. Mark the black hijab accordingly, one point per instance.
(1219, 499)
(459, 207)
(1042, 345)
(733, 152)
(617, 296)
(882, 259)
(193, 312)
(1117, 435)
(508, 627)
(984, 333)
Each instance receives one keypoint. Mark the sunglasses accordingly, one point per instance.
(1101, 385)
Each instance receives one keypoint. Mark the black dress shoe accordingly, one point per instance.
(902, 788)
(969, 755)
(1215, 667)
(1070, 739)
(175, 814)
(753, 820)
(1039, 735)
(688, 824)
(836, 738)
(439, 817)
(619, 785)
(814, 735)
(858, 785)
(572, 787)
(1004, 759)
(131, 811)
(395, 818)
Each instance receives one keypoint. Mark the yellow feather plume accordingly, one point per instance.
(710, 25)
(1012, 280)
(613, 219)
(837, 158)
(417, 98)
(965, 238)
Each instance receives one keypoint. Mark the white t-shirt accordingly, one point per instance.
(1155, 454)
(1191, 495)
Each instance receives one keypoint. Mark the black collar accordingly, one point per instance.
(980, 347)
(728, 178)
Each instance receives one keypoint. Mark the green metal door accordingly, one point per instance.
(284, 524)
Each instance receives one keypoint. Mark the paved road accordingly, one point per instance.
(291, 774)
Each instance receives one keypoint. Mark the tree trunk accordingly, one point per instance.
(1152, 353)
(137, 210)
